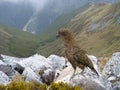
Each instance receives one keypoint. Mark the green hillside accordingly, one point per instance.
(96, 28)
(16, 42)
(48, 43)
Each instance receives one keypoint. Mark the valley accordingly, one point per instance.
(95, 26)
(96, 29)
(16, 42)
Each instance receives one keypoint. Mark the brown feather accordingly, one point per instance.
(76, 56)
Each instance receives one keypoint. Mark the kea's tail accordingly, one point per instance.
(93, 69)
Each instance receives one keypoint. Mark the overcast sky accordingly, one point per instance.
(35, 3)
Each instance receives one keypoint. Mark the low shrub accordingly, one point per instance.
(63, 86)
(18, 83)
(37, 86)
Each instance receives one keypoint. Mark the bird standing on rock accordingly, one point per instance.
(75, 55)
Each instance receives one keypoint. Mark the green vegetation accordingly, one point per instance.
(102, 40)
(96, 30)
(48, 42)
(63, 86)
(16, 42)
(21, 85)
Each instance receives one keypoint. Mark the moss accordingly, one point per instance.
(24, 86)
(63, 86)
(17, 86)
(2, 87)
(21, 85)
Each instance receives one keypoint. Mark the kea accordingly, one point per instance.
(75, 55)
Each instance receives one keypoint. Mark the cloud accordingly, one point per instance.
(37, 4)
(12, 1)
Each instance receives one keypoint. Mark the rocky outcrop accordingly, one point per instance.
(46, 70)
(4, 79)
(1, 57)
(7, 70)
(30, 75)
(87, 84)
(112, 71)
(47, 75)
(116, 85)
(18, 68)
(2, 63)
(34, 68)
(112, 68)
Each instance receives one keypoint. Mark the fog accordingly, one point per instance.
(37, 4)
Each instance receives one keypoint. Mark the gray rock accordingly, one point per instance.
(104, 81)
(18, 68)
(7, 70)
(118, 20)
(4, 79)
(58, 63)
(116, 86)
(112, 68)
(30, 75)
(87, 84)
(1, 57)
(47, 75)
(2, 63)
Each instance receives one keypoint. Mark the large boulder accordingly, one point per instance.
(87, 84)
(7, 70)
(1, 57)
(9, 60)
(4, 79)
(2, 63)
(51, 66)
(58, 63)
(35, 62)
(47, 75)
(30, 75)
(18, 68)
(112, 68)
(116, 85)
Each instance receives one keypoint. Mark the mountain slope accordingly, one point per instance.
(16, 42)
(15, 14)
(52, 10)
(48, 37)
(23, 14)
(96, 30)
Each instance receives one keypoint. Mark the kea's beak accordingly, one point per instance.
(57, 35)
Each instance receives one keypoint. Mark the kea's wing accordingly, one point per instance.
(80, 57)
